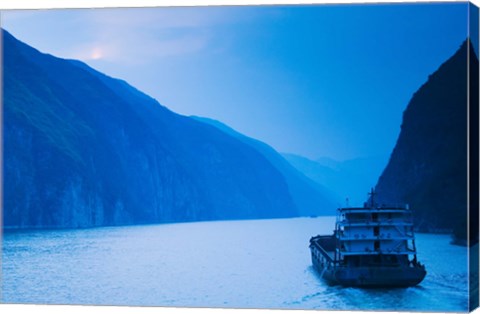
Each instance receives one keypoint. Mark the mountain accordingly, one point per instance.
(428, 166)
(350, 179)
(82, 149)
(310, 197)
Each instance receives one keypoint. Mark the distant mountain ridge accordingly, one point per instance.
(349, 179)
(310, 197)
(428, 166)
(82, 149)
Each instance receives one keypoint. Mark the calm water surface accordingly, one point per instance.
(245, 264)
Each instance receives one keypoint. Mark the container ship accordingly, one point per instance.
(371, 246)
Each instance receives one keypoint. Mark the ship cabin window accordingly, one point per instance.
(376, 245)
(354, 217)
(374, 216)
(376, 231)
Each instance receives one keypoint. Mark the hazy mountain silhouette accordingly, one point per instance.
(310, 197)
(350, 179)
(82, 149)
(428, 166)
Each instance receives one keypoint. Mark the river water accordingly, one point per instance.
(228, 264)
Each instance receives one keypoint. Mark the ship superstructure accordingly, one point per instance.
(372, 245)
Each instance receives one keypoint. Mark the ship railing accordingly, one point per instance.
(368, 251)
(387, 236)
(390, 209)
(402, 231)
(375, 221)
(323, 252)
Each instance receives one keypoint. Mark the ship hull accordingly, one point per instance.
(369, 277)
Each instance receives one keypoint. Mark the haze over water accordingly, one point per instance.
(229, 264)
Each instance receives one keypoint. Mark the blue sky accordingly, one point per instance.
(321, 80)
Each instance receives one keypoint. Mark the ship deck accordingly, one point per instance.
(326, 245)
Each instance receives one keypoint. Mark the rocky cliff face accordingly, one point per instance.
(428, 166)
(82, 149)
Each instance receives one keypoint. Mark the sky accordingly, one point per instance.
(314, 80)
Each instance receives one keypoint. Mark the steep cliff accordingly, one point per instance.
(428, 166)
(82, 149)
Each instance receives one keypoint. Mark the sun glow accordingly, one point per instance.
(96, 54)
